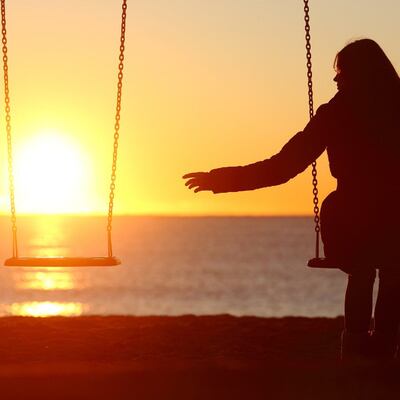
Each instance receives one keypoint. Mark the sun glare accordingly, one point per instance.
(51, 175)
(46, 309)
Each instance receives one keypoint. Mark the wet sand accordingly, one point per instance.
(188, 357)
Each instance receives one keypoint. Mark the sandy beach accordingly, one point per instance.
(188, 357)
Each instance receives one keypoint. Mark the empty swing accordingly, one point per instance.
(317, 261)
(16, 260)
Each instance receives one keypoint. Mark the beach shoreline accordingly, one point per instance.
(186, 357)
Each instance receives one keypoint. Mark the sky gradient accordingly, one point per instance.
(207, 83)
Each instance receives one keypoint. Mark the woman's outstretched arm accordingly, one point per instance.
(301, 150)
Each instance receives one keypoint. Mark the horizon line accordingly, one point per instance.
(155, 215)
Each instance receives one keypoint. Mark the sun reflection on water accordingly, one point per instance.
(46, 280)
(46, 309)
(48, 236)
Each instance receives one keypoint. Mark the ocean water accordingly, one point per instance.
(171, 266)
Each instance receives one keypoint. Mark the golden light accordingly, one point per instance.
(51, 175)
(46, 309)
(46, 280)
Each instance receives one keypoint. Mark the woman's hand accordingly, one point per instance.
(198, 181)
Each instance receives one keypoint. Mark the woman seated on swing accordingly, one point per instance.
(360, 129)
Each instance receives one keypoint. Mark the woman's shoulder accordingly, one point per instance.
(338, 105)
(339, 101)
(335, 105)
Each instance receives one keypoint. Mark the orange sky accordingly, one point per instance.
(207, 84)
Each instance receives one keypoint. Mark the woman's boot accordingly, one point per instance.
(355, 347)
(383, 345)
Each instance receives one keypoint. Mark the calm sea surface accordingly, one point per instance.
(171, 266)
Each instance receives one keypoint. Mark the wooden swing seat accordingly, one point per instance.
(325, 263)
(62, 262)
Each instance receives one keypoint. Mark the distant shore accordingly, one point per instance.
(188, 357)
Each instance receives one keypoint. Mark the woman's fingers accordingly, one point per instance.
(194, 175)
(198, 186)
(198, 181)
(190, 181)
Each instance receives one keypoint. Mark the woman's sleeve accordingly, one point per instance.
(301, 150)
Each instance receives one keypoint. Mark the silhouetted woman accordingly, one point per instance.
(360, 129)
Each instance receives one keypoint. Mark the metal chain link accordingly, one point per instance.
(8, 128)
(116, 127)
(311, 113)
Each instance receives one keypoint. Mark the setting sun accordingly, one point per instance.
(51, 175)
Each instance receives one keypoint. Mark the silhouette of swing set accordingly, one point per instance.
(16, 260)
(111, 260)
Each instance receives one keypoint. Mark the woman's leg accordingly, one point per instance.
(387, 309)
(343, 242)
(338, 229)
(358, 300)
(358, 313)
(387, 312)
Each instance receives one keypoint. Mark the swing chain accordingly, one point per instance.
(311, 114)
(116, 127)
(8, 128)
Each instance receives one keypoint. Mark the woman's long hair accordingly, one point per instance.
(368, 71)
(372, 91)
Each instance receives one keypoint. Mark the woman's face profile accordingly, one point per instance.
(339, 79)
